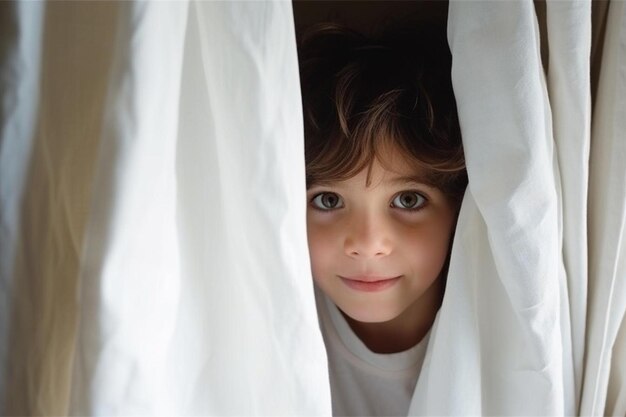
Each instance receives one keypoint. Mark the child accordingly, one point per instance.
(385, 178)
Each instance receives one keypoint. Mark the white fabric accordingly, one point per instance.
(616, 390)
(498, 343)
(153, 153)
(511, 335)
(18, 112)
(363, 382)
(195, 280)
(51, 97)
(568, 81)
(607, 230)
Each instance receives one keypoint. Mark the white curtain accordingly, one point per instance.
(509, 336)
(153, 253)
(153, 170)
(604, 387)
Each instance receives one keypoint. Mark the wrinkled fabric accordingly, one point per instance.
(500, 330)
(522, 307)
(604, 388)
(159, 215)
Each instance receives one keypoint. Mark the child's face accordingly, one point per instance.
(375, 251)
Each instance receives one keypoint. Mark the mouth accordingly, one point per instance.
(370, 283)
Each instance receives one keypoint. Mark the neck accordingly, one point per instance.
(404, 331)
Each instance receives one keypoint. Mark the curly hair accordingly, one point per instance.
(362, 94)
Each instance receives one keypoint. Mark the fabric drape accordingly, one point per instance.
(604, 387)
(511, 204)
(157, 259)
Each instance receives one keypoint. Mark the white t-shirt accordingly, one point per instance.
(364, 383)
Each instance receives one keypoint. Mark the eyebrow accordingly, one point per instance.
(409, 179)
(394, 181)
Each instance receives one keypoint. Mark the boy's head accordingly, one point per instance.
(385, 169)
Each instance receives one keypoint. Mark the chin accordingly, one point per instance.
(370, 316)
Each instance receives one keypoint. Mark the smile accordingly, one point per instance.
(371, 284)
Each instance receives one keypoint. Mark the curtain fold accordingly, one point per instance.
(159, 235)
(54, 85)
(607, 219)
(20, 62)
(568, 81)
(129, 277)
(500, 330)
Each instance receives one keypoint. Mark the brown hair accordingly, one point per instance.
(361, 94)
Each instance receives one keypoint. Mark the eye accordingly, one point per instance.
(409, 200)
(327, 201)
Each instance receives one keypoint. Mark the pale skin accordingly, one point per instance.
(396, 230)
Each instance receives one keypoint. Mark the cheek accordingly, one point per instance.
(428, 248)
(320, 250)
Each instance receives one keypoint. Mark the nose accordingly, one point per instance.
(368, 237)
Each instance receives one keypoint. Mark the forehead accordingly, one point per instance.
(391, 170)
(389, 166)
(390, 159)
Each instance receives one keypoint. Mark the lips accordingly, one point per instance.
(370, 283)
